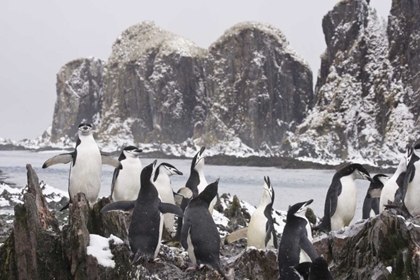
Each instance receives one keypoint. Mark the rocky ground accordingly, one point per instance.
(40, 244)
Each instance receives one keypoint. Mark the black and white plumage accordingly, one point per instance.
(340, 202)
(199, 235)
(125, 181)
(145, 231)
(316, 270)
(86, 167)
(411, 183)
(393, 185)
(373, 194)
(261, 232)
(162, 182)
(294, 241)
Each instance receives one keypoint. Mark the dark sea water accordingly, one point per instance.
(290, 185)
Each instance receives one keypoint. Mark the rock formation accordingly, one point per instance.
(79, 96)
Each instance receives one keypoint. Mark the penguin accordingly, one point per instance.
(391, 192)
(145, 231)
(411, 183)
(294, 240)
(125, 181)
(162, 182)
(199, 234)
(316, 270)
(340, 203)
(86, 167)
(373, 194)
(261, 230)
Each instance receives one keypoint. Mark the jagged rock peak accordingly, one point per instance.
(139, 39)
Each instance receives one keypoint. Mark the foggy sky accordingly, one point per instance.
(39, 37)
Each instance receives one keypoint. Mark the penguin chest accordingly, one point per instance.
(257, 229)
(388, 193)
(127, 185)
(190, 250)
(412, 196)
(85, 175)
(346, 204)
(163, 186)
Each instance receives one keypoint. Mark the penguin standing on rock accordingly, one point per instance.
(125, 182)
(86, 167)
(411, 184)
(371, 202)
(162, 182)
(145, 231)
(294, 240)
(261, 230)
(199, 235)
(340, 203)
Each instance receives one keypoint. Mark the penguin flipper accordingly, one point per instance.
(186, 226)
(269, 232)
(307, 246)
(170, 208)
(114, 178)
(108, 160)
(119, 205)
(237, 235)
(61, 158)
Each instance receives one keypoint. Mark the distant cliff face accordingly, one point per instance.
(154, 87)
(79, 96)
(258, 87)
(362, 111)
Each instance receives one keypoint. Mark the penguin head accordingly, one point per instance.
(198, 160)
(356, 170)
(210, 192)
(85, 129)
(376, 185)
(166, 169)
(413, 151)
(299, 209)
(130, 152)
(302, 270)
(146, 173)
(319, 269)
(268, 192)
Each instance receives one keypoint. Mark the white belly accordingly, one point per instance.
(412, 197)
(388, 193)
(346, 204)
(303, 257)
(127, 185)
(203, 184)
(160, 236)
(191, 250)
(85, 175)
(163, 185)
(256, 229)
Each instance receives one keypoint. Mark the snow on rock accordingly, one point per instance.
(99, 248)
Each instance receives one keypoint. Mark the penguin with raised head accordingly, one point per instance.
(199, 235)
(86, 167)
(125, 181)
(392, 186)
(411, 183)
(373, 194)
(340, 203)
(294, 241)
(145, 231)
(261, 230)
(316, 270)
(162, 182)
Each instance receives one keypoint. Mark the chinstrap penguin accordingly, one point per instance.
(373, 194)
(316, 270)
(295, 241)
(261, 230)
(340, 202)
(199, 235)
(125, 181)
(392, 188)
(145, 231)
(86, 167)
(162, 182)
(411, 184)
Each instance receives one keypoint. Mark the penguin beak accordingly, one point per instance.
(178, 172)
(137, 151)
(309, 202)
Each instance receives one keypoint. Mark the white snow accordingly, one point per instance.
(389, 268)
(99, 248)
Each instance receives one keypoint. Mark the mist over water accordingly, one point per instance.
(290, 185)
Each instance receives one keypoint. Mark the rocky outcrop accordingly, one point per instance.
(258, 87)
(384, 247)
(363, 109)
(79, 96)
(154, 87)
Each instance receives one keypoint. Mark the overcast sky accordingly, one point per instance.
(39, 37)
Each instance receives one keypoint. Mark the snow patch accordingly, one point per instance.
(99, 248)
